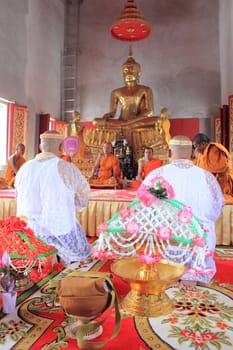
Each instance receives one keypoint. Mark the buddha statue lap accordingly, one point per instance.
(135, 100)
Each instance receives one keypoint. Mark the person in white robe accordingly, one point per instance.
(48, 191)
(196, 188)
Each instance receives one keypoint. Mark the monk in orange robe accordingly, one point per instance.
(145, 166)
(107, 168)
(66, 158)
(14, 163)
(214, 157)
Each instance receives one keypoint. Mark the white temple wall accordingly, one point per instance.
(226, 49)
(180, 59)
(31, 45)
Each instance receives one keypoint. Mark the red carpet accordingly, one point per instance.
(202, 319)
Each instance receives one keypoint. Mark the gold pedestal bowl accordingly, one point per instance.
(147, 297)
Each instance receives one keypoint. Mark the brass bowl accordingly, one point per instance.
(147, 296)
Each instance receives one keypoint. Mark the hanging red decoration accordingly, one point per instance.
(131, 25)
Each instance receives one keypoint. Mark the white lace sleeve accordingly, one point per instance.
(75, 181)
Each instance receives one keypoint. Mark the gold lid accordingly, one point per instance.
(180, 142)
(51, 134)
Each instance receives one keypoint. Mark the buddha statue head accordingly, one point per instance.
(131, 70)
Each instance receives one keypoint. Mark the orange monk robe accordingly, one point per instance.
(10, 173)
(154, 163)
(217, 160)
(109, 167)
(66, 158)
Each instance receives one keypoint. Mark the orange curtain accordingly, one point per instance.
(17, 127)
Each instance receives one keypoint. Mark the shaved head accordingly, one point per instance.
(181, 147)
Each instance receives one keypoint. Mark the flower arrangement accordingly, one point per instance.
(155, 226)
(21, 251)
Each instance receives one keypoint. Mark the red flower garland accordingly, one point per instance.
(20, 242)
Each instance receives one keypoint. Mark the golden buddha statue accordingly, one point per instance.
(135, 124)
(135, 100)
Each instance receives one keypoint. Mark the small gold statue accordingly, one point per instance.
(163, 125)
(135, 100)
(76, 129)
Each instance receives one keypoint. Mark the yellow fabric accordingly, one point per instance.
(10, 173)
(100, 211)
(217, 160)
(108, 166)
(224, 226)
(97, 212)
(7, 207)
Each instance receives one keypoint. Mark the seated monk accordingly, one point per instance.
(135, 100)
(14, 162)
(215, 158)
(106, 170)
(145, 166)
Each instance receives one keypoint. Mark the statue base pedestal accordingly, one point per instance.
(136, 140)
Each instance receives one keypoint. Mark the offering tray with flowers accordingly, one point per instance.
(26, 252)
(159, 239)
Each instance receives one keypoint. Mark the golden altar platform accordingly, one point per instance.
(104, 203)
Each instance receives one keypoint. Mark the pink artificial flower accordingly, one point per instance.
(164, 232)
(159, 182)
(184, 216)
(187, 208)
(191, 271)
(208, 272)
(125, 212)
(199, 241)
(146, 258)
(145, 196)
(110, 255)
(99, 254)
(209, 254)
(199, 271)
(204, 228)
(170, 190)
(102, 227)
(132, 227)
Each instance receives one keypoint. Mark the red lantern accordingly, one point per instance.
(131, 25)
